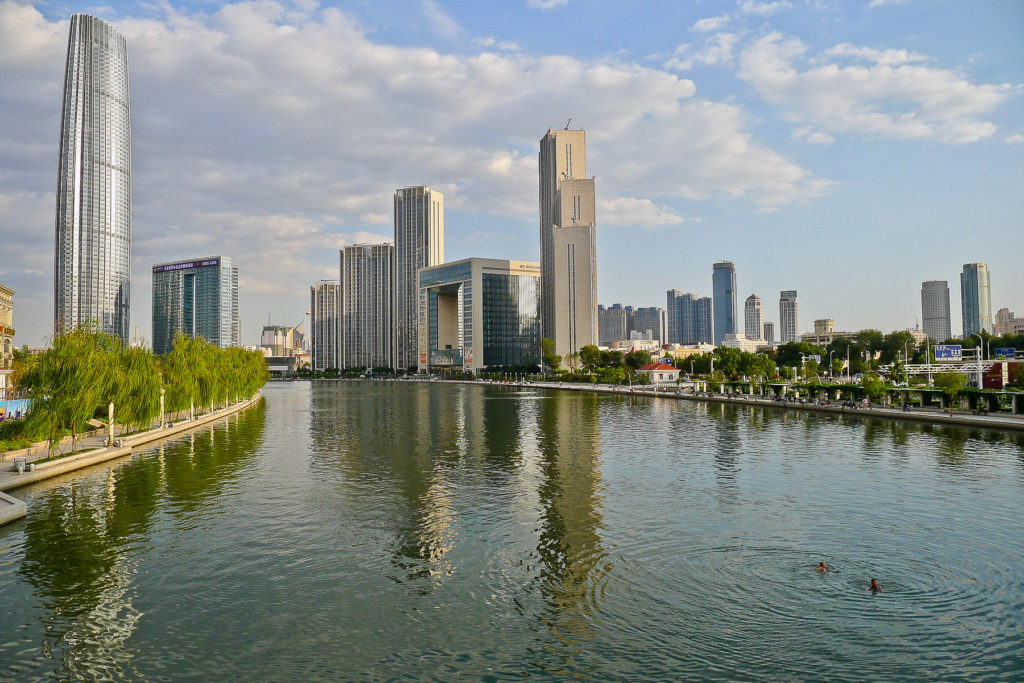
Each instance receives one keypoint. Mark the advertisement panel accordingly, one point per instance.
(947, 353)
(995, 377)
(1007, 353)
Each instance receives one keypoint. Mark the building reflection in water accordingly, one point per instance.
(573, 563)
(83, 544)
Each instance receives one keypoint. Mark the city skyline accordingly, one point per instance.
(814, 185)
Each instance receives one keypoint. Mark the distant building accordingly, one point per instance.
(690, 318)
(568, 242)
(769, 333)
(612, 324)
(325, 311)
(6, 326)
(660, 373)
(753, 317)
(281, 340)
(1007, 322)
(651, 321)
(92, 262)
(825, 333)
(976, 299)
(198, 298)
(935, 309)
(789, 316)
(419, 243)
(723, 280)
(367, 331)
(739, 341)
(478, 313)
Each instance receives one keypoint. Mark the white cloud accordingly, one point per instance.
(885, 93)
(443, 24)
(709, 24)
(762, 9)
(717, 50)
(545, 4)
(274, 134)
(880, 3)
(634, 211)
(1016, 137)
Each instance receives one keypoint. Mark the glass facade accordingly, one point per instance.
(92, 260)
(511, 329)
(975, 299)
(198, 298)
(723, 281)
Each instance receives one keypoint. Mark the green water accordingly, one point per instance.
(387, 531)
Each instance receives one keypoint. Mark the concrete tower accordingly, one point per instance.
(935, 310)
(753, 317)
(419, 243)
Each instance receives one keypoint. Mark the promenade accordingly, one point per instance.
(92, 450)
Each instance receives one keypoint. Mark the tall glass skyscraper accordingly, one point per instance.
(723, 283)
(198, 298)
(419, 243)
(92, 265)
(935, 310)
(976, 299)
(789, 316)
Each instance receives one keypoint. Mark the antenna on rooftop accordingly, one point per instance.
(567, 124)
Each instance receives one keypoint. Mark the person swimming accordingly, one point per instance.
(875, 587)
(822, 567)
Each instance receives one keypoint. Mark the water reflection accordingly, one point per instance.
(83, 541)
(573, 562)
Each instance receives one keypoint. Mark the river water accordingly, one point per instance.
(392, 531)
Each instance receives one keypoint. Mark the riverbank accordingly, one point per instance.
(932, 416)
(42, 468)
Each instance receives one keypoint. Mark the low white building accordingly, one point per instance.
(660, 373)
(739, 341)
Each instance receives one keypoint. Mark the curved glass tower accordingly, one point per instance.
(94, 183)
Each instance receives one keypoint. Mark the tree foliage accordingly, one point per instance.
(548, 355)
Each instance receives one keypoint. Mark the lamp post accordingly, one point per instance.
(830, 363)
(980, 357)
(848, 363)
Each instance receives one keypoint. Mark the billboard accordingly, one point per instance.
(1004, 353)
(996, 377)
(946, 353)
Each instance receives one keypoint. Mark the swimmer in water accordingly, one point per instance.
(875, 587)
(822, 567)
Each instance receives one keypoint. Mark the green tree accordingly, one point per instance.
(637, 358)
(551, 359)
(590, 357)
(134, 387)
(950, 384)
(898, 372)
(874, 387)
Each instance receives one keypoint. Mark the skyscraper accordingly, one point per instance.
(690, 318)
(198, 298)
(975, 299)
(568, 242)
(324, 309)
(651, 320)
(612, 324)
(367, 332)
(789, 316)
(935, 310)
(92, 264)
(753, 317)
(769, 333)
(723, 291)
(419, 243)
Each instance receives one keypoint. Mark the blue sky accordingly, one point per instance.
(848, 150)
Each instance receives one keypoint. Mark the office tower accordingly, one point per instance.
(935, 310)
(281, 340)
(650, 320)
(769, 333)
(612, 324)
(367, 332)
(703, 320)
(674, 319)
(753, 317)
(690, 318)
(975, 299)
(568, 242)
(723, 282)
(324, 308)
(198, 298)
(92, 264)
(419, 243)
(479, 313)
(789, 316)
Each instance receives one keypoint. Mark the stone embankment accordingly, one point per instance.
(36, 468)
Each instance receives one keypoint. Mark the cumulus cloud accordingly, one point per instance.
(545, 4)
(884, 93)
(762, 9)
(709, 24)
(1016, 137)
(880, 3)
(276, 133)
(716, 50)
(635, 211)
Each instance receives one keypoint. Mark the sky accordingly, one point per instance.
(848, 150)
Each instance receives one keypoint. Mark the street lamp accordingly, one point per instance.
(848, 363)
(980, 357)
(830, 363)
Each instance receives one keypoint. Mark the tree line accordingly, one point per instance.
(85, 370)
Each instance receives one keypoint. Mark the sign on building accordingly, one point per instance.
(948, 353)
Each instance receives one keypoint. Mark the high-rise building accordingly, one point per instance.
(690, 318)
(324, 311)
(975, 299)
(478, 313)
(723, 282)
(935, 310)
(769, 333)
(282, 340)
(753, 317)
(612, 324)
(92, 264)
(367, 331)
(652, 321)
(419, 243)
(703, 321)
(568, 242)
(198, 298)
(789, 316)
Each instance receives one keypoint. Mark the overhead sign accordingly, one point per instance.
(1004, 353)
(947, 353)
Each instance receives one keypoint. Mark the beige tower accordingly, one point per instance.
(568, 242)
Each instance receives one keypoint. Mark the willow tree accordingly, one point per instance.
(135, 387)
(68, 382)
